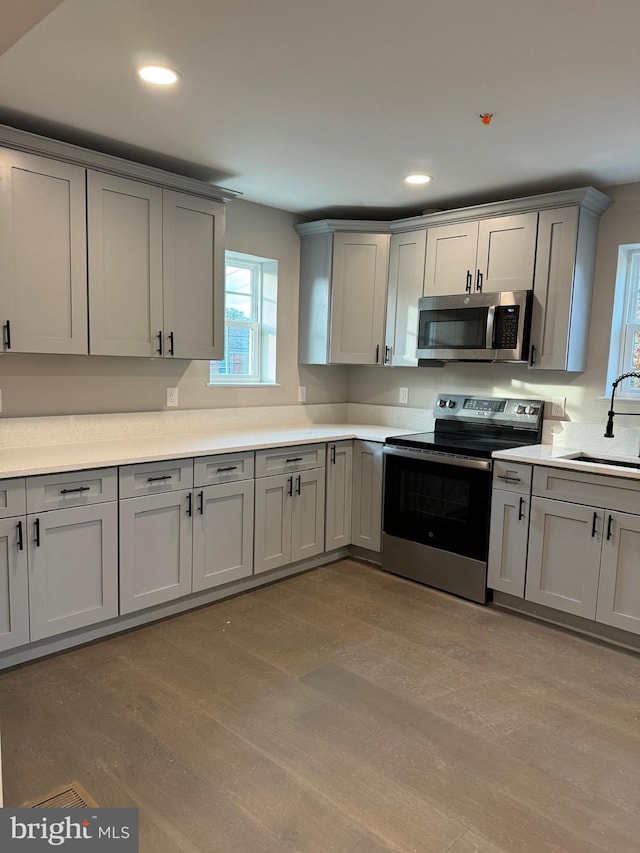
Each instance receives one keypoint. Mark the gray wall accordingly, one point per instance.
(52, 385)
(585, 392)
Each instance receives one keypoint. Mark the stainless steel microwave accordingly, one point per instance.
(475, 326)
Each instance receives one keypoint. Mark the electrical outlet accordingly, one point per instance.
(302, 393)
(403, 396)
(558, 407)
(172, 397)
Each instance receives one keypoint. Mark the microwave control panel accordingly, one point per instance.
(505, 326)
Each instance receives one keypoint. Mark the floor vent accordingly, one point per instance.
(71, 796)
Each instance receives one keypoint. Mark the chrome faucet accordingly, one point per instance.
(608, 433)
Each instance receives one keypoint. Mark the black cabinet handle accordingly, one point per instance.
(36, 537)
(532, 357)
(299, 484)
(20, 539)
(201, 503)
(377, 353)
(230, 468)
(290, 485)
(7, 334)
(609, 525)
(170, 343)
(79, 489)
(161, 477)
(593, 524)
(469, 282)
(333, 454)
(159, 337)
(509, 479)
(189, 504)
(520, 507)
(387, 355)
(479, 281)
(295, 459)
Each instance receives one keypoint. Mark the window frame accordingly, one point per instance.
(624, 326)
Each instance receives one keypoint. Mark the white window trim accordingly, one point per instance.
(622, 331)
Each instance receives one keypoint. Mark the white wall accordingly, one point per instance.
(51, 385)
(584, 391)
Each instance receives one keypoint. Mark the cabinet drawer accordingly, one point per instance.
(597, 490)
(283, 459)
(75, 488)
(512, 476)
(226, 468)
(13, 498)
(151, 478)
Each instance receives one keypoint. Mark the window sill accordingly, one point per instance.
(243, 384)
(620, 398)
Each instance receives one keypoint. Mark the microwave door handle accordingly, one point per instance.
(491, 314)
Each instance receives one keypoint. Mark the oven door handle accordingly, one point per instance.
(426, 456)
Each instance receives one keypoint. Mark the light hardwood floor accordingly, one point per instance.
(340, 710)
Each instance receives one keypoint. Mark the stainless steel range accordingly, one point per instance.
(437, 490)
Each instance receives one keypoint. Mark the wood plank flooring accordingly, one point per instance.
(340, 711)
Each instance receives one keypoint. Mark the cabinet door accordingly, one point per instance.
(125, 266)
(508, 537)
(274, 506)
(339, 494)
(506, 253)
(358, 298)
(307, 522)
(450, 264)
(367, 495)
(553, 289)
(14, 584)
(155, 549)
(73, 568)
(619, 590)
(406, 282)
(193, 276)
(563, 566)
(222, 534)
(43, 255)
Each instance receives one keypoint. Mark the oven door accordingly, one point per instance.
(438, 500)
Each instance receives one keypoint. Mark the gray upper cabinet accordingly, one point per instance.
(485, 255)
(343, 286)
(405, 286)
(43, 277)
(14, 584)
(193, 263)
(125, 266)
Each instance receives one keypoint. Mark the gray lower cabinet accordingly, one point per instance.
(14, 584)
(366, 531)
(289, 518)
(619, 588)
(155, 549)
(223, 534)
(508, 536)
(339, 495)
(73, 568)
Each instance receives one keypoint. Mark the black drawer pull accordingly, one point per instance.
(296, 459)
(229, 468)
(161, 477)
(36, 537)
(520, 507)
(509, 479)
(609, 530)
(79, 489)
(20, 540)
(593, 525)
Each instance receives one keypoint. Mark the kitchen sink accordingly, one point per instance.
(599, 460)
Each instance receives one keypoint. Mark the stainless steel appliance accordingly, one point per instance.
(475, 327)
(437, 490)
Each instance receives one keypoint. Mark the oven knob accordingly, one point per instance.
(451, 404)
(442, 403)
(531, 410)
(520, 410)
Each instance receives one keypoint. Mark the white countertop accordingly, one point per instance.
(28, 461)
(560, 456)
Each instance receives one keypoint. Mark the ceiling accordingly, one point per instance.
(323, 107)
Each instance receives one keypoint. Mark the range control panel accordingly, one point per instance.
(497, 410)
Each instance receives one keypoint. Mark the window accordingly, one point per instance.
(250, 308)
(625, 328)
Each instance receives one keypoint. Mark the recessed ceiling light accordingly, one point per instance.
(417, 179)
(159, 75)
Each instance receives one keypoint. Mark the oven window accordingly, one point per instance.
(453, 328)
(437, 504)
